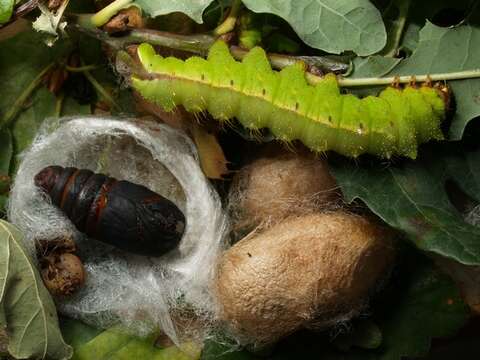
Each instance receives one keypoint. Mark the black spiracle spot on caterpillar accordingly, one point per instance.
(123, 214)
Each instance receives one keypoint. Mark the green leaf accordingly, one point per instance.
(22, 59)
(27, 309)
(115, 345)
(6, 151)
(365, 334)
(421, 304)
(412, 197)
(193, 8)
(427, 9)
(76, 333)
(373, 66)
(72, 107)
(442, 50)
(28, 122)
(464, 346)
(410, 38)
(395, 18)
(3, 204)
(334, 26)
(6, 9)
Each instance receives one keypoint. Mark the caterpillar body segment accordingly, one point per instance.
(393, 123)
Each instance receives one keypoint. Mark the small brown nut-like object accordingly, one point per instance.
(58, 245)
(313, 269)
(280, 183)
(125, 19)
(62, 274)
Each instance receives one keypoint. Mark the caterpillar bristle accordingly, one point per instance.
(289, 146)
(198, 117)
(323, 155)
(256, 134)
(229, 123)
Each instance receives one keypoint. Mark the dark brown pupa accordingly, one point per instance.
(120, 213)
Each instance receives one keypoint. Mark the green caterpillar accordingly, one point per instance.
(393, 123)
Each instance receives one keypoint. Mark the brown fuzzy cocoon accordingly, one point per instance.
(280, 183)
(315, 269)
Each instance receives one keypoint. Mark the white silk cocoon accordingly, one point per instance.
(141, 293)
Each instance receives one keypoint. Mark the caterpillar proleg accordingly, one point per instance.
(393, 123)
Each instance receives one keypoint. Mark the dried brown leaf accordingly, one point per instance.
(212, 158)
(126, 19)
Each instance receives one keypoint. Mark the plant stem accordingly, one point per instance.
(59, 104)
(396, 32)
(102, 17)
(459, 75)
(197, 44)
(18, 104)
(279, 61)
(402, 19)
(229, 23)
(99, 88)
(80, 68)
(25, 8)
